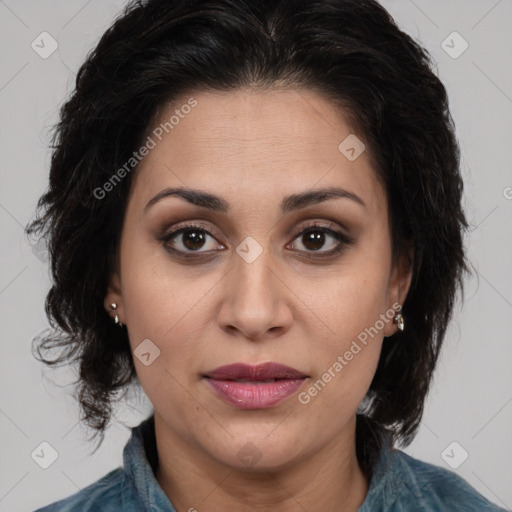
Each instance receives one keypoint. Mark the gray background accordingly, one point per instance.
(471, 398)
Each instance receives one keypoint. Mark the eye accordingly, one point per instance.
(196, 238)
(188, 239)
(316, 236)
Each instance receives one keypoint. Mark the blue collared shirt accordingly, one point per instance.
(399, 483)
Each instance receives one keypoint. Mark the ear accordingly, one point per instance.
(114, 296)
(399, 284)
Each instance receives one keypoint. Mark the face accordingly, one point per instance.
(267, 271)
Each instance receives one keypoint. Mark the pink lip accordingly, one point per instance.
(255, 393)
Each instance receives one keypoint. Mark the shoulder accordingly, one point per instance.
(104, 495)
(433, 488)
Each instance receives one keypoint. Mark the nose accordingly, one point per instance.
(256, 301)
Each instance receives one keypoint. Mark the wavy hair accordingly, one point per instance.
(350, 51)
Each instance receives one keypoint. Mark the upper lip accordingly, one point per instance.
(263, 371)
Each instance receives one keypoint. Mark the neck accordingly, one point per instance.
(328, 480)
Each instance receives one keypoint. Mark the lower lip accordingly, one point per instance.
(253, 395)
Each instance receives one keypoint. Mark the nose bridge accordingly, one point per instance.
(253, 303)
(253, 277)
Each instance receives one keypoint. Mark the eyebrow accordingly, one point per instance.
(290, 203)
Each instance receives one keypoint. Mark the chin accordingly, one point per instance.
(256, 451)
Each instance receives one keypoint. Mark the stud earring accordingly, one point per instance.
(399, 321)
(116, 318)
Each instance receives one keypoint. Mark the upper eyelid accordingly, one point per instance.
(204, 227)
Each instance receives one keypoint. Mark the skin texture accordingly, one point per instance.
(253, 148)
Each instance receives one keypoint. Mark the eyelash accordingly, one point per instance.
(343, 240)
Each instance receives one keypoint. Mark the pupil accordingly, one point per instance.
(193, 240)
(316, 238)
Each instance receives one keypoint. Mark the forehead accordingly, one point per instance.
(255, 142)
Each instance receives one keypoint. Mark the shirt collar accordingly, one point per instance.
(386, 482)
(140, 463)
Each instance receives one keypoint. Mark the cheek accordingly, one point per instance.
(346, 358)
(162, 322)
(353, 298)
(160, 308)
(168, 314)
(353, 308)
(159, 295)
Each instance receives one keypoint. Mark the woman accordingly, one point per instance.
(254, 213)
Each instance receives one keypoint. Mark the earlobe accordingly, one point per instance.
(398, 291)
(113, 302)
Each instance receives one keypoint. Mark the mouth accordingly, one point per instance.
(254, 386)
